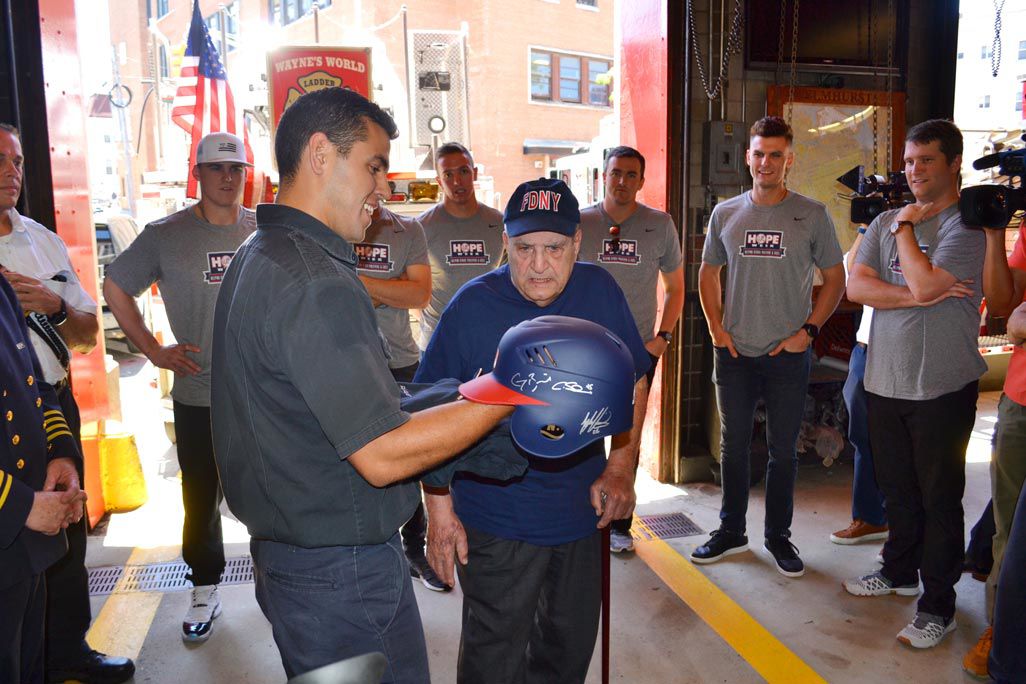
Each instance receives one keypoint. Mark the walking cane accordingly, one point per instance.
(605, 605)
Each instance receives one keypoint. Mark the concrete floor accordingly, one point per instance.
(656, 635)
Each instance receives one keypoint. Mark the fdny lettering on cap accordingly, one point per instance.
(541, 200)
(619, 252)
(467, 253)
(373, 256)
(763, 243)
(217, 262)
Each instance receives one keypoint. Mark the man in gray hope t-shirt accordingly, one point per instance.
(187, 254)
(921, 269)
(392, 263)
(770, 239)
(464, 237)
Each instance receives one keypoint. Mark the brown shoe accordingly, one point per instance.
(975, 661)
(859, 532)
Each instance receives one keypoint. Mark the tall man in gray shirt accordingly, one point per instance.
(921, 269)
(393, 265)
(187, 254)
(315, 452)
(638, 245)
(464, 237)
(770, 239)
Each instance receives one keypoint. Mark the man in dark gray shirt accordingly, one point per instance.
(314, 450)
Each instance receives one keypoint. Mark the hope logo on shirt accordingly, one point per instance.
(764, 244)
(467, 253)
(895, 262)
(217, 262)
(616, 251)
(373, 256)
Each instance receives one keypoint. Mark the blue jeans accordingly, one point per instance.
(781, 382)
(1008, 654)
(332, 603)
(867, 502)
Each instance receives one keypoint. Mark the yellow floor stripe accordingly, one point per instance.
(124, 621)
(764, 652)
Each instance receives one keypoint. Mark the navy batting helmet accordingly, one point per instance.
(572, 381)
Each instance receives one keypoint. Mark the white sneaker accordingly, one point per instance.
(875, 584)
(926, 631)
(620, 542)
(205, 606)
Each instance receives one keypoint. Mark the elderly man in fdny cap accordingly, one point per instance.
(528, 550)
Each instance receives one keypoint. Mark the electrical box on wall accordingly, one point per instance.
(723, 153)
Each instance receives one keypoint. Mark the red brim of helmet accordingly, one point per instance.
(485, 389)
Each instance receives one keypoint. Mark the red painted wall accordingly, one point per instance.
(74, 220)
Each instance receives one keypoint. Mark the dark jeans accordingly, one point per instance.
(1008, 653)
(867, 502)
(919, 449)
(202, 545)
(331, 603)
(979, 553)
(67, 581)
(414, 531)
(624, 525)
(782, 382)
(530, 613)
(22, 609)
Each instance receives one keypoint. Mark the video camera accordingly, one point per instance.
(992, 206)
(875, 195)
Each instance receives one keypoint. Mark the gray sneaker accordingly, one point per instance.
(620, 542)
(926, 630)
(421, 569)
(875, 584)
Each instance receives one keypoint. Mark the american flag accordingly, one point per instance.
(203, 102)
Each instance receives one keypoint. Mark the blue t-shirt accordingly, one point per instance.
(550, 504)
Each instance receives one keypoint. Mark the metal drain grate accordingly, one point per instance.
(160, 576)
(666, 526)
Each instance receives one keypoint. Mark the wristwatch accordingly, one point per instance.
(61, 315)
(666, 335)
(898, 224)
(812, 329)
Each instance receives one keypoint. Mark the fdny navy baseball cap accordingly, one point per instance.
(545, 204)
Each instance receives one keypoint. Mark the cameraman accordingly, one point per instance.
(920, 269)
(1004, 284)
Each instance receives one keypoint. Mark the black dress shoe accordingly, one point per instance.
(94, 668)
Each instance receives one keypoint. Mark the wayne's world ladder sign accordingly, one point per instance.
(294, 71)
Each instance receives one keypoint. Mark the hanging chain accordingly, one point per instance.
(733, 47)
(892, 22)
(794, 61)
(995, 48)
(876, 84)
(780, 41)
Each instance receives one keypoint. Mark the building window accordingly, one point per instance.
(1022, 49)
(961, 55)
(162, 8)
(165, 68)
(598, 82)
(562, 77)
(284, 12)
(1018, 99)
(985, 102)
(588, 3)
(569, 78)
(984, 52)
(230, 19)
